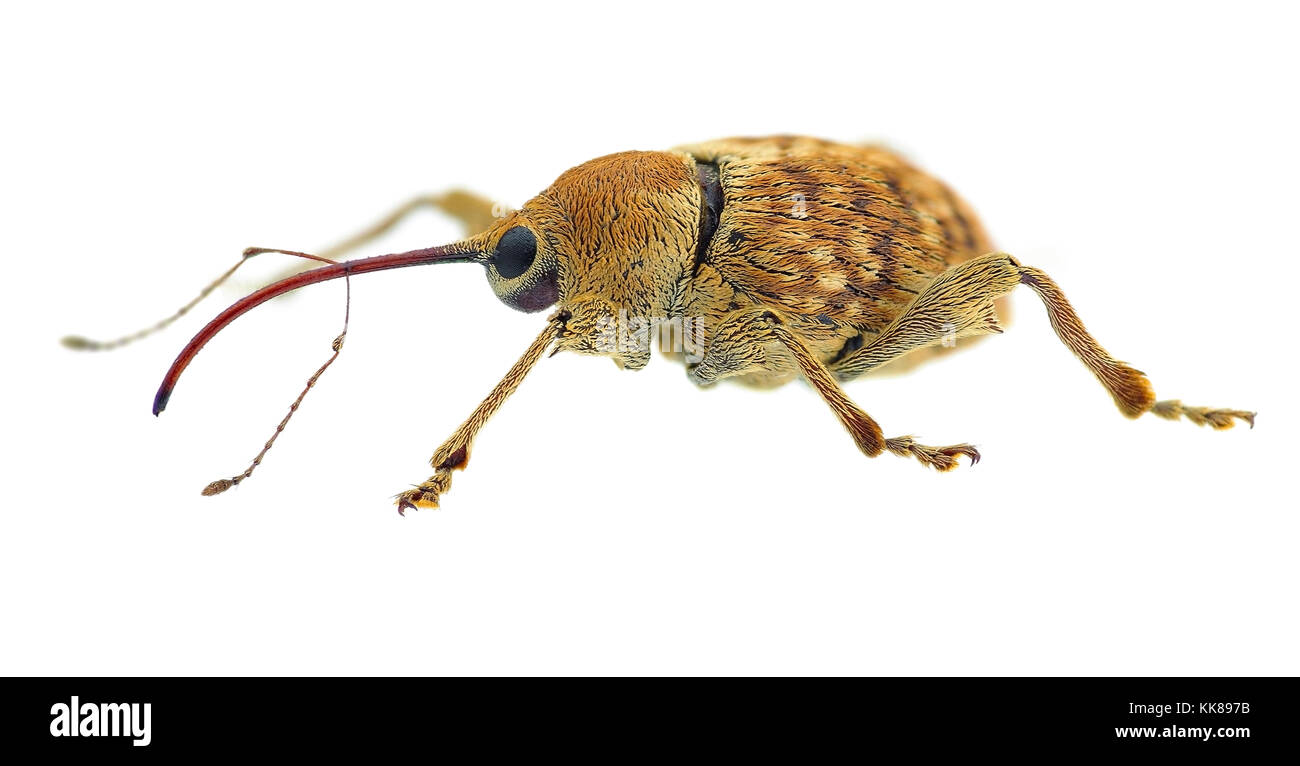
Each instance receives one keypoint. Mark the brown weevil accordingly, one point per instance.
(760, 259)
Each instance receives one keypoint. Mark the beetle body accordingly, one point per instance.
(839, 238)
(767, 258)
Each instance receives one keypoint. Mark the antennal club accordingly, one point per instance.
(445, 254)
(221, 485)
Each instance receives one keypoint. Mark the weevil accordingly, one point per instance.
(767, 258)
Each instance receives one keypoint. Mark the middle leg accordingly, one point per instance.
(760, 341)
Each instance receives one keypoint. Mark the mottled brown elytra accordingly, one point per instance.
(759, 259)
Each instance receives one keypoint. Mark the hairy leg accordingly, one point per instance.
(959, 303)
(744, 345)
(454, 453)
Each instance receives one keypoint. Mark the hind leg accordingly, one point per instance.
(960, 303)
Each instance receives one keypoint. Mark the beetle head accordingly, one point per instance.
(611, 239)
(613, 236)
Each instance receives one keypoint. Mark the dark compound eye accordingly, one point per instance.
(515, 252)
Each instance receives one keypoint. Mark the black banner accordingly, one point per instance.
(72, 716)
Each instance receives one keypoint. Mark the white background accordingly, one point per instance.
(617, 522)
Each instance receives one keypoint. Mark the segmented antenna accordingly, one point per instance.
(78, 343)
(221, 485)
